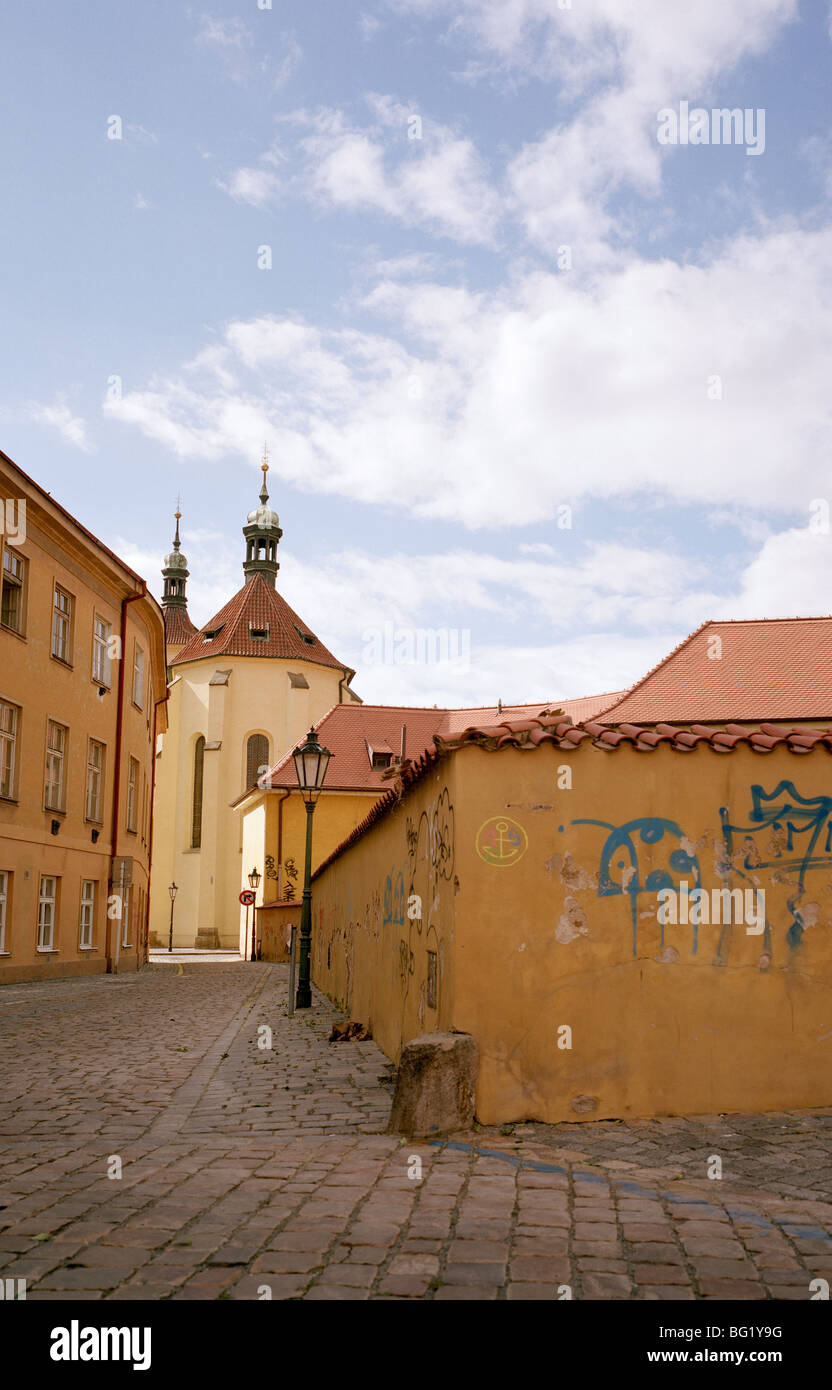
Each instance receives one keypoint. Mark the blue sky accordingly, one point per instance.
(434, 381)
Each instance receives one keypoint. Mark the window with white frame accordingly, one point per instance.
(138, 676)
(4, 903)
(13, 590)
(55, 790)
(87, 913)
(47, 904)
(102, 632)
(126, 912)
(9, 728)
(95, 781)
(62, 625)
(132, 792)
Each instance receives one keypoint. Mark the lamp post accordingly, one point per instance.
(254, 883)
(311, 762)
(173, 890)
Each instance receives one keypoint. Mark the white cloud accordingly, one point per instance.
(499, 407)
(437, 180)
(644, 54)
(254, 186)
(224, 34)
(71, 428)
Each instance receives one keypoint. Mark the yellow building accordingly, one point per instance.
(82, 698)
(243, 691)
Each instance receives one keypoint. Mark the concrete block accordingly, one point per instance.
(435, 1085)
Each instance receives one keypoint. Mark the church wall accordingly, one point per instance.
(258, 697)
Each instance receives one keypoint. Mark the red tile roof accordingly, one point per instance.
(348, 730)
(257, 606)
(769, 669)
(529, 734)
(178, 627)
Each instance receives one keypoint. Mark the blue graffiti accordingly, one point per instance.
(619, 848)
(791, 815)
(395, 899)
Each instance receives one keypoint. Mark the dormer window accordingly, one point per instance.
(210, 633)
(258, 634)
(305, 636)
(381, 755)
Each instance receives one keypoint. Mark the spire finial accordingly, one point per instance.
(264, 494)
(178, 515)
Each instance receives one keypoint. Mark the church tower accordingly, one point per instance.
(178, 627)
(243, 691)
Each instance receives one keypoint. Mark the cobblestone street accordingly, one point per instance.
(248, 1172)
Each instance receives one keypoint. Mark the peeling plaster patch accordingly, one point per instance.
(572, 923)
(583, 1105)
(765, 961)
(628, 873)
(572, 874)
(522, 946)
(668, 956)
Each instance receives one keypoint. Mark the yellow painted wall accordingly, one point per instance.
(258, 698)
(701, 1021)
(366, 950)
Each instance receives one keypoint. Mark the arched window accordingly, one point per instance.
(257, 758)
(196, 818)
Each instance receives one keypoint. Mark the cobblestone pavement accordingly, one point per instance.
(249, 1173)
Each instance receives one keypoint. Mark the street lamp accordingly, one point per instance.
(254, 883)
(311, 762)
(173, 890)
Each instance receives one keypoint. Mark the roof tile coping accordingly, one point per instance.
(531, 733)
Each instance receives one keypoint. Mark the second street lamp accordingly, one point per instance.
(254, 883)
(311, 762)
(173, 890)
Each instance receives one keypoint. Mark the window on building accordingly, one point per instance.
(9, 730)
(55, 791)
(138, 676)
(102, 632)
(95, 781)
(257, 758)
(88, 888)
(13, 586)
(47, 903)
(132, 792)
(4, 904)
(62, 625)
(126, 915)
(196, 814)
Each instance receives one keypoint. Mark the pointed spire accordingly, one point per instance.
(264, 493)
(262, 532)
(175, 569)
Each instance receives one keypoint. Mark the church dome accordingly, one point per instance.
(176, 561)
(264, 517)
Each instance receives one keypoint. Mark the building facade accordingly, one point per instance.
(82, 698)
(244, 690)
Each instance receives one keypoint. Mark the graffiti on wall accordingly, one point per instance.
(620, 870)
(501, 842)
(431, 852)
(795, 837)
(782, 831)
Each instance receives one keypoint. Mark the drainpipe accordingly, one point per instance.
(156, 705)
(112, 959)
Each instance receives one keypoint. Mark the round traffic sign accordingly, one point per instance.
(247, 897)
